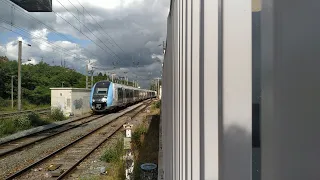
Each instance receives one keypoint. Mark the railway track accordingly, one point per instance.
(70, 155)
(25, 141)
(12, 114)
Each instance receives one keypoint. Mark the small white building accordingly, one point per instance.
(72, 101)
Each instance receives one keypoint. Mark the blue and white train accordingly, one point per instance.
(106, 95)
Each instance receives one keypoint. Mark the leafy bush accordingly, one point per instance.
(22, 122)
(7, 126)
(36, 120)
(57, 115)
(113, 154)
(136, 135)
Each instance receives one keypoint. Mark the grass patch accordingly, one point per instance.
(113, 154)
(20, 123)
(5, 106)
(91, 178)
(156, 105)
(138, 135)
(155, 108)
(116, 165)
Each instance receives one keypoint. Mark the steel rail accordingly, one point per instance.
(98, 145)
(41, 131)
(4, 153)
(18, 173)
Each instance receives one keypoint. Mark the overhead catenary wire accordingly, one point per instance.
(115, 55)
(100, 26)
(51, 28)
(47, 26)
(41, 42)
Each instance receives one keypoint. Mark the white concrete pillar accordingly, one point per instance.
(207, 91)
(290, 90)
(236, 90)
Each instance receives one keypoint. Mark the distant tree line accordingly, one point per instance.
(38, 79)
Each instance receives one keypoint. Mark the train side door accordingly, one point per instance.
(126, 96)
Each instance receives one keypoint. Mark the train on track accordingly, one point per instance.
(106, 95)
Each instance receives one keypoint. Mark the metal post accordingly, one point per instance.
(126, 77)
(12, 92)
(127, 147)
(19, 75)
(92, 78)
(87, 76)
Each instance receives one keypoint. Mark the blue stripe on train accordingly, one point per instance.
(91, 95)
(110, 95)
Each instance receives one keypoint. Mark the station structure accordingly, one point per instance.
(207, 90)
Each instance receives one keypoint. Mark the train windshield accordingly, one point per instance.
(101, 88)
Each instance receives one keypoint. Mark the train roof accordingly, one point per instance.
(125, 86)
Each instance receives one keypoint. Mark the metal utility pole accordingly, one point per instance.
(125, 78)
(158, 86)
(12, 92)
(112, 76)
(91, 78)
(87, 73)
(19, 75)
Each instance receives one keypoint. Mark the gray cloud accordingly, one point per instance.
(137, 29)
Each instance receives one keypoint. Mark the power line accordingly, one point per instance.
(89, 30)
(49, 27)
(41, 42)
(100, 27)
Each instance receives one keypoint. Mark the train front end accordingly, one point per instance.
(101, 96)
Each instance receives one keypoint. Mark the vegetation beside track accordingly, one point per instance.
(145, 146)
(145, 139)
(27, 121)
(37, 81)
(112, 156)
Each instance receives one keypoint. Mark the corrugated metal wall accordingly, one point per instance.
(206, 100)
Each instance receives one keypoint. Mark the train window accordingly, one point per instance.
(131, 93)
(120, 94)
(101, 88)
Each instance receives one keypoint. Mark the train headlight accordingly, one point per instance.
(104, 99)
(93, 100)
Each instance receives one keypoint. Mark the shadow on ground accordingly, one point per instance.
(149, 147)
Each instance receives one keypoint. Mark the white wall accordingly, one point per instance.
(60, 98)
(290, 90)
(71, 100)
(207, 91)
(80, 101)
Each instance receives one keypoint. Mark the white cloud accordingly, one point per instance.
(137, 26)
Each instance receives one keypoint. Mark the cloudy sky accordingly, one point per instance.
(113, 35)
